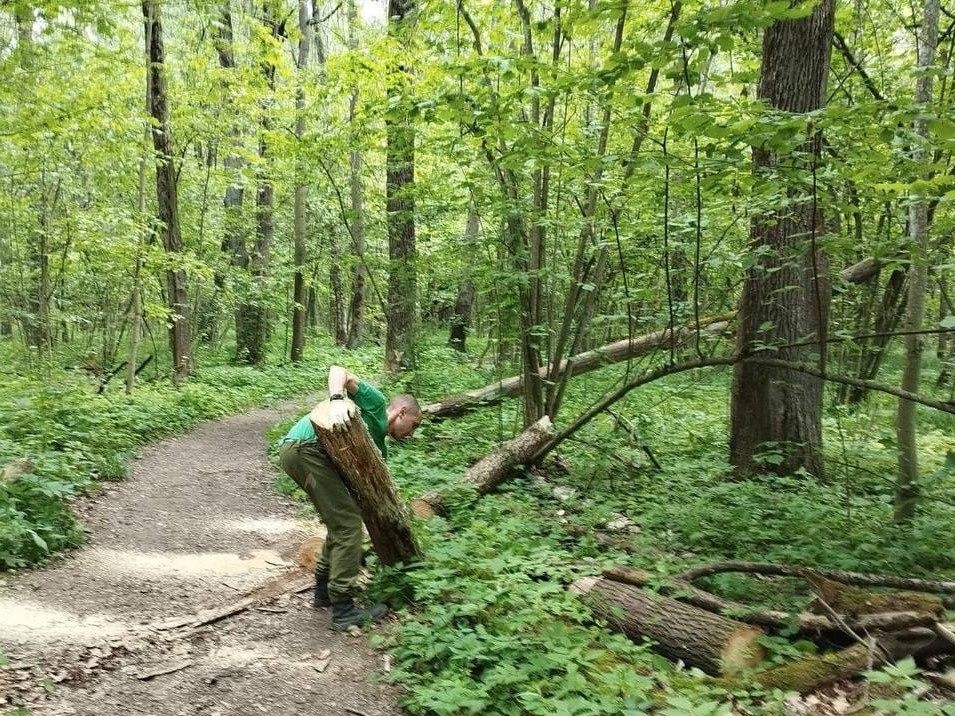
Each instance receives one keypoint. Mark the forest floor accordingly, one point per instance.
(196, 525)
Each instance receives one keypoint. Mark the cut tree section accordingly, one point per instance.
(360, 463)
(679, 631)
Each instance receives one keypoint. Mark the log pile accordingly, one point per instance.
(720, 636)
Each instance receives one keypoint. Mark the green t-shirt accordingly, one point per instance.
(372, 405)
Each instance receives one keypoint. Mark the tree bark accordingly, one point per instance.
(617, 352)
(299, 299)
(167, 191)
(786, 289)
(368, 479)
(487, 474)
(356, 187)
(699, 638)
(336, 307)
(907, 481)
(400, 206)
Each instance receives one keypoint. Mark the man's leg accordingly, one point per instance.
(311, 468)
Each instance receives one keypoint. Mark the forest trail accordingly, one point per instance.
(196, 524)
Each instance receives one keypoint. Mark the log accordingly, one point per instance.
(616, 352)
(807, 623)
(624, 349)
(679, 631)
(489, 472)
(360, 463)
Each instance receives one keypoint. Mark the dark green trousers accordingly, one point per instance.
(306, 463)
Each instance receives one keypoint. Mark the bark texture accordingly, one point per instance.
(699, 638)
(368, 479)
(356, 191)
(494, 468)
(786, 289)
(167, 198)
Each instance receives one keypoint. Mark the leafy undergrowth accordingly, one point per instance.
(74, 437)
(488, 625)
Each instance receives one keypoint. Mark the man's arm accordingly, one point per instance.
(340, 380)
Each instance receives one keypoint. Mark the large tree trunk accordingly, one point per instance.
(368, 479)
(489, 472)
(166, 191)
(356, 306)
(907, 482)
(400, 207)
(581, 363)
(299, 298)
(252, 321)
(699, 638)
(786, 288)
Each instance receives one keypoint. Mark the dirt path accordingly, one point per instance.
(196, 524)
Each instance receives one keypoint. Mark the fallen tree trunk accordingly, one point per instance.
(360, 463)
(494, 468)
(807, 623)
(616, 352)
(699, 638)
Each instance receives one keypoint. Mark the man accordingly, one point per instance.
(305, 461)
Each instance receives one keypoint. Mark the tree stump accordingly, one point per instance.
(699, 638)
(361, 466)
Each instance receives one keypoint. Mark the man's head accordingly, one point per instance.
(404, 415)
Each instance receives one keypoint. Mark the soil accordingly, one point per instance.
(197, 525)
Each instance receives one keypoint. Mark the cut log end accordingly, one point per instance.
(422, 509)
(584, 585)
(742, 651)
(320, 415)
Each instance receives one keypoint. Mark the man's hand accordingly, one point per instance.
(339, 414)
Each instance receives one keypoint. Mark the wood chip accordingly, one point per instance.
(165, 669)
(272, 610)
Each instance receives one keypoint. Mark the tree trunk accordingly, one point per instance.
(336, 307)
(786, 289)
(463, 305)
(679, 631)
(489, 472)
(252, 321)
(400, 207)
(617, 352)
(167, 198)
(356, 306)
(233, 243)
(299, 298)
(907, 482)
(368, 479)
(873, 350)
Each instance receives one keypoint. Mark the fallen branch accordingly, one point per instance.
(858, 579)
(494, 468)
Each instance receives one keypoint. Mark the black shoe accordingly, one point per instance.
(346, 614)
(320, 599)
